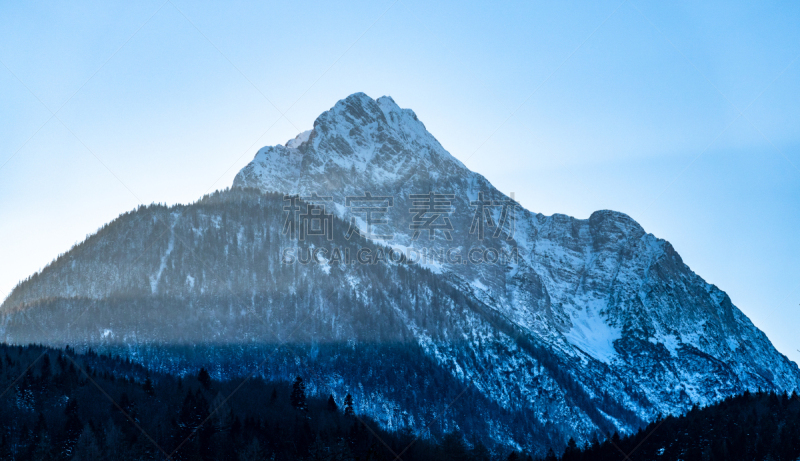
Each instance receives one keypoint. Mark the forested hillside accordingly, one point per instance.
(749, 427)
(60, 405)
(65, 406)
(203, 285)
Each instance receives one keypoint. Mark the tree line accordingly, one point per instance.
(60, 405)
(762, 426)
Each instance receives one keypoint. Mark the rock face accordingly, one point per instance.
(547, 327)
(601, 291)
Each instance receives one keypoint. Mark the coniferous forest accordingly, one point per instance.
(754, 426)
(60, 405)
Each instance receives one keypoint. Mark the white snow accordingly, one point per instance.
(154, 279)
(477, 284)
(299, 139)
(671, 342)
(591, 333)
(323, 264)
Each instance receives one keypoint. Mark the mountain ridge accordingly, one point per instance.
(598, 325)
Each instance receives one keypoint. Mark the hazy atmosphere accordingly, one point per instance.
(683, 116)
(400, 230)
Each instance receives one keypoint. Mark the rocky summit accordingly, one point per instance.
(366, 258)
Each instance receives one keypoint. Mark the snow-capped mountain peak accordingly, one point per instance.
(600, 289)
(299, 139)
(590, 326)
(357, 136)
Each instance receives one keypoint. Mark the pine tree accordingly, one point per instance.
(348, 406)
(479, 452)
(148, 387)
(87, 448)
(204, 378)
(454, 447)
(572, 452)
(72, 428)
(318, 451)
(44, 375)
(41, 448)
(332, 407)
(253, 452)
(298, 395)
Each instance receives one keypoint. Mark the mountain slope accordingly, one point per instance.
(596, 325)
(601, 290)
(226, 301)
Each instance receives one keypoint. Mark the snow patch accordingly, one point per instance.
(480, 286)
(157, 277)
(671, 342)
(299, 139)
(592, 334)
(324, 264)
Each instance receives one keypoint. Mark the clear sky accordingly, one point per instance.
(684, 116)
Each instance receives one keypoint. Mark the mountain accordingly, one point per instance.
(204, 285)
(601, 291)
(466, 312)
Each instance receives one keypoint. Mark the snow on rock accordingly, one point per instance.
(599, 287)
(595, 326)
(298, 140)
(592, 334)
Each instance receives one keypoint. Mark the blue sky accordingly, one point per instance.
(684, 116)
